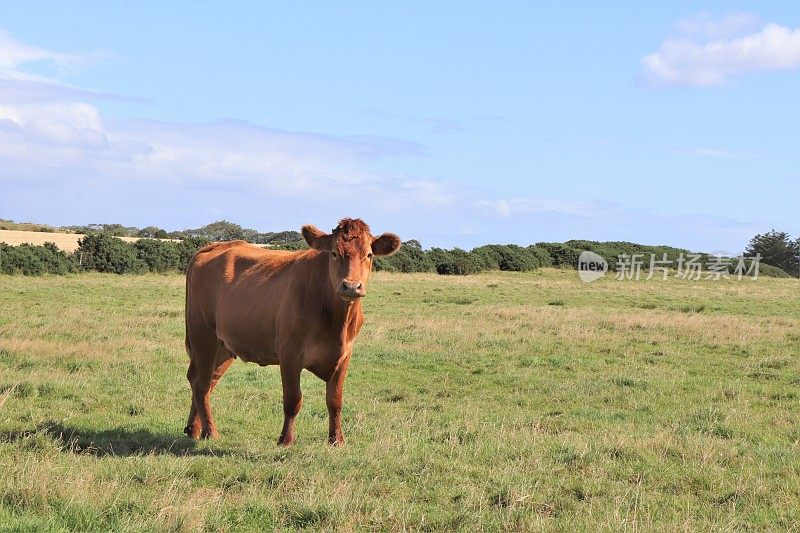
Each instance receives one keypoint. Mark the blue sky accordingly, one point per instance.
(454, 123)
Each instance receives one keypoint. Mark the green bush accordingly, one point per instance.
(290, 245)
(772, 271)
(166, 256)
(152, 232)
(30, 260)
(409, 258)
(454, 262)
(105, 253)
(187, 248)
(541, 254)
(562, 255)
(611, 250)
(488, 256)
(509, 257)
(102, 253)
(777, 249)
(763, 269)
(287, 240)
(159, 256)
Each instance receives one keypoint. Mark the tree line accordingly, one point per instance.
(779, 256)
(101, 251)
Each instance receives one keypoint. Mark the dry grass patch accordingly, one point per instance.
(64, 241)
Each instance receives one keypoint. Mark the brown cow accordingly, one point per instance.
(293, 309)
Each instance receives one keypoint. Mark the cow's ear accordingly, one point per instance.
(316, 238)
(386, 244)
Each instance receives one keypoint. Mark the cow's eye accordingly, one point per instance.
(333, 254)
(369, 255)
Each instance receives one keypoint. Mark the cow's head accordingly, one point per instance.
(350, 248)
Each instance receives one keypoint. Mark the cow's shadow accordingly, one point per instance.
(119, 441)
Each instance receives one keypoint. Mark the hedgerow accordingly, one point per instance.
(30, 260)
(102, 252)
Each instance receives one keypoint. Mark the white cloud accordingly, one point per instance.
(508, 207)
(428, 192)
(52, 136)
(15, 54)
(228, 152)
(704, 25)
(500, 208)
(709, 54)
(52, 132)
(59, 123)
(22, 91)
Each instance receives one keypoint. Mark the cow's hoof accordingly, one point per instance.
(209, 435)
(191, 433)
(336, 441)
(286, 441)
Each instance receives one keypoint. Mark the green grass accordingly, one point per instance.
(495, 401)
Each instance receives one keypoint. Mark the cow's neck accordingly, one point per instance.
(345, 316)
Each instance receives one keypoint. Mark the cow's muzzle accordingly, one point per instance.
(351, 290)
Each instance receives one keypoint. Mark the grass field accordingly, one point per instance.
(495, 401)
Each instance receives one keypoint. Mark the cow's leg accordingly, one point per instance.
(205, 378)
(201, 396)
(223, 364)
(333, 398)
(292, 401)
(193, 426)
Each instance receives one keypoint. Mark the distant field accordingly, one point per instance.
(65, 241)
(499, 401)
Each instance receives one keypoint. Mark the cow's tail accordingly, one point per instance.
(189, 269)
(186, 307)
